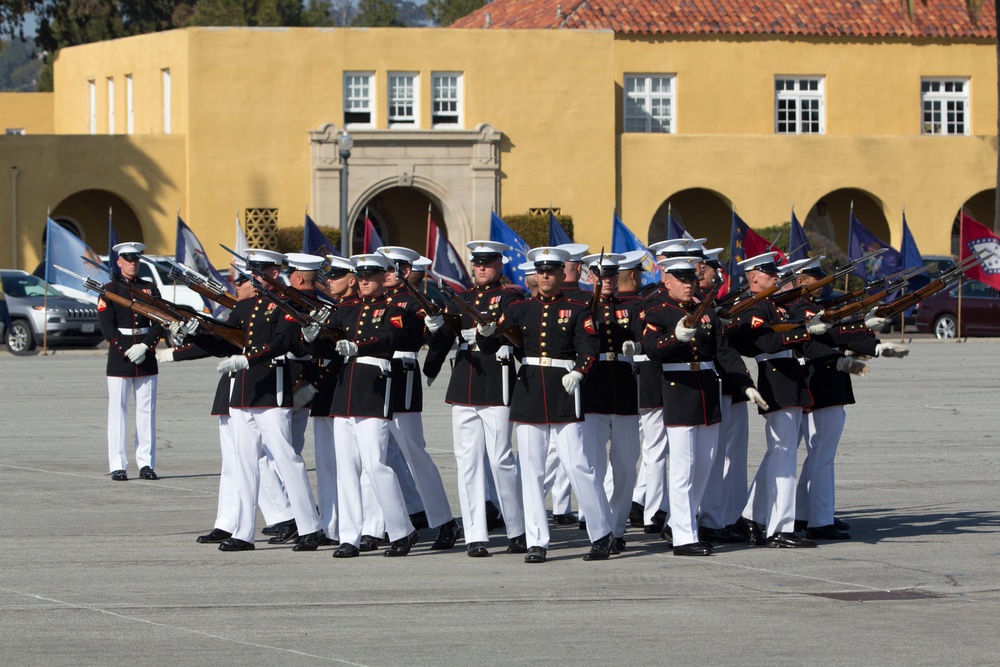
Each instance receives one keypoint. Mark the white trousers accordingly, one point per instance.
(225, 515)
(579, 455)
(394, 459)
(361, 447)
(815, 497)
(119, 391)
(618, 478)
(326, 475)
(269, 431)
(271, 497)
(653, 469)
(407, 428)
(557, 481)
(481, 436)
(692, 452)
(726, 492)
(771, 499)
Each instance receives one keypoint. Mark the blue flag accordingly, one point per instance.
(798, 245)
(909, 251)
(675, 230)
(112, 242)
(623, 240)
(314, 242)
(65, 249)
(518, 253)
(446, 263)
(190, 253)
(557, 235)
(860, 243)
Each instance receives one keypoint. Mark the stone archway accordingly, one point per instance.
(701, 211)
(830, 216)
(86, 214)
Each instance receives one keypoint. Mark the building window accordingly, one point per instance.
(358, 106)
(111, 105)
(129, 108)
(649, 103)
(166, 101)
(17, 131)
(92, 95)
(403, 104)
(945, 104)
(446, 99)
(262, 227)
(798, 105)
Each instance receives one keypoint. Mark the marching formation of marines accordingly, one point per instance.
(638, 398)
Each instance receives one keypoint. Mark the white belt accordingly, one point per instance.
(466, 346)
(134, 332)
(404, 355)
(690, 366)
(640, 357)
(292, 357)
(784, 354)
(383, 364)
(615, 356)
(568, 364)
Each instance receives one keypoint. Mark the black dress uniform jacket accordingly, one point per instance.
(412, 339)
(323, 375)
(477, 377)
(112, 317)
(376, 328)
(270, 336)
(691, 397)
(611, 385)
(553, 327)
(650, 382)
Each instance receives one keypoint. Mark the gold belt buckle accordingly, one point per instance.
(611, 356)
(694, 365)
(544, 361)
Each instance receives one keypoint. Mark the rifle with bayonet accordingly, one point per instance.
(833, 315)
(333, 333)
(205, 286)
(859, 293)
(907, 301)
(595, 301)
(731, 311)
(692, 320)
(276, 287)
(134, 306)
(803, 290)
(511, 333)
(430, 308)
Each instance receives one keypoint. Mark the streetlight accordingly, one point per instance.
(346, 143)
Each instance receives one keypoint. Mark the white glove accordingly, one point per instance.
(303, 395)
(469, 336)
(434, 322)
(137, 353)
(486, 330)
(320, 316)
(816, 326)
(684, 334)
(164, 356)
(852, 366)
(310, 332)
(571, 381)
(873, 321)
(891, 350)
(430, 380)
(755, 396)
(234, 363)
(347, 348)
(630, 348)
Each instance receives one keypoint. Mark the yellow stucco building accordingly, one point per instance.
(505, 113)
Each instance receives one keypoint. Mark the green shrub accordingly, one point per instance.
(290, 238)
(534, 229)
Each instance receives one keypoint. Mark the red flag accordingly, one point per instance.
(446, 263)
(372, 240)
(975, 237)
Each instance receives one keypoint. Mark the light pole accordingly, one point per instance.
(346, 143)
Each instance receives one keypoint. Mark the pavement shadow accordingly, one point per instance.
(877, 524)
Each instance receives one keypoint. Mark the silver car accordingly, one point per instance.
(68, 321)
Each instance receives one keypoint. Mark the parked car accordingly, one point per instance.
(68, 321)
(936, 265)
(938, 314)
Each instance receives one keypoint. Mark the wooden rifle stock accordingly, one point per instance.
(745, 304)
(286, 293)
(803, 290)
(511, 333)
(692, 320)
(139, 308)
(221, 298)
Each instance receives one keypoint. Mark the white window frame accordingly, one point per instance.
(458, 100)
(165, 75)
(403, 120)
(645, 100)
(798, 95)
(92, 96)
(129, 105)
(367, 104)
(111, 105)
(943, 98)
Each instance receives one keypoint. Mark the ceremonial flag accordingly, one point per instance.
(314, 242)
(372, 240)
(518, 253)
(675, 230)
(975, 237)
(909, 251)
(4, 313)
(623, 240)
(743, 243)
(557, 235)
(798, 245)
(861, 242)
(191, 253)
(112, 242)
(446, 263)
(240, 245)
(65, 249)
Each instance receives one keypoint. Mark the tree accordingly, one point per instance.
(446, 12)
(376, 14)
(20, 67)
(255, 13)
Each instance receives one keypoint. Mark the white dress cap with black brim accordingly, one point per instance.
(671, 248)
(681, 268)
(763, 262)
(484, 252)
(576, 251)
(632, 259)
(300, 261)
(527, 267)
(337, 267)
(609, 263)
(791, 267)
(421, 264)
(263, 258)
(813, 267)
(370, 264)
(712, 257)
(131, 248)
(399, 254)
(548, 257)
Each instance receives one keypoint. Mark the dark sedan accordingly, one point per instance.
(938, 314)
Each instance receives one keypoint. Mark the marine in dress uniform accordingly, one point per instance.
(131, 369)
(479, 393)
(559, 348)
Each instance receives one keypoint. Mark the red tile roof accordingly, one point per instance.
(946, 19)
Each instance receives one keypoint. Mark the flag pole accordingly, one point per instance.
(45, 301)
(902, 315)
(850, 221)
(961, 279)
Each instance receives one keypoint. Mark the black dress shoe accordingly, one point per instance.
(788, 541)
(119, 476)
(287, 530)
(419, 520)
(346, 551)
(328, 542)
(667, 534)
(827, 533)
(752, 531)
(518, 544)
(618, 545)
(564, 519)
(693, 549)
(601, 549)
(582, 525)
(147, 473)
(271, 530)
(659, 521)
(402, 546)
(800, 525)
(840, 524)
(369, 543)
(447, 536)
(233, 544)
(477, 550)
(494, 520)
(635, 515)
(720, 536)
(217, 535)
(535, 555)
(309, 541)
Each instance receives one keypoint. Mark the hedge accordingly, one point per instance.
(534, 229)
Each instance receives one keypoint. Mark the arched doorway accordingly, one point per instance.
(86, 214)
(702, 212)
(830, 216)
(399, 215)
